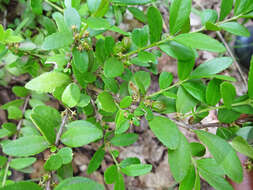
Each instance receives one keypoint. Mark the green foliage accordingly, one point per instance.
(87, 85)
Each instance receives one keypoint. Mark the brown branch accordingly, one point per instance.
(58, 136)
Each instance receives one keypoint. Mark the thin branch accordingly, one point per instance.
(14, 138)
(237, 66)
(58, 136)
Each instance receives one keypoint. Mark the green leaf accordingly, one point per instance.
(84, 100)
(121, 122)
(21, 163)
(20, 91)
(250, 81)
(197, 149)
(98, 23)
(165, 79)
(180, 159)
(22, 185)
(72, 18)
(53, 163)
(113, 68)
(126, 102)
(200, 41)
(78, 183)
(81, 60)
(208, 15)
(224, 155)
(14, 113)
(235, 28)
(140, 37)
(109, 45)
(242, 6)
(25, 146)
(16, 103)
(119, 185)
(129, 161)
(227, 115)
(189, 180)
(155, 23)
(111, 174)
(131, 2)
(61, 25)
(57, 40)
(106, 102)
(138, 14)
(137, 169)
(213, 174)
(125, 139)
(196, 88)
(46, 119)
(80, 133)
(228, 94)
(226, 7)
(179, 14)
(185, 102)
(37, 7)
(178, 51)
(242, 146)
(166, 131)
(213, 94)
(66, 155)
(71, 95)
(212, 67)
(96, 160)
(48, 82)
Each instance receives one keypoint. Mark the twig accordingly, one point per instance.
(237, 66)
(5, 19)
(58, 136)
(14, 138)
(48, 185)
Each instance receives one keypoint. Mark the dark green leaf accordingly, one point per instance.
(53, 163)
(71, 95)
(22, 185)
(155, 23)
(113, 68)
(129, 161)
(111, 174)
(242, 6)
(227, 116)
(228, 94)
(165, 79)
(106, 102)
(25, 146)
(208, 15)
(81, 60)
(138, 14)
(119, 185)
(197, 149)
(179, 14)
(126, 102)
(196, 88)
(185, 68)
(37, 7)
(213, 94)
(125, 139)
(80, 133)
(224, 154)
(20, 163)
(166, 131)
(250, 81)
(242, 146)
(20, 91)
(131, 2)
(140, 37)
(96, 160)
(200, 41)
(14, 113)
(226, 7)
(189, 180)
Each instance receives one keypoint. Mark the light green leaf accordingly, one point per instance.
(131, 2)
(189, 180)
(66, 155)
(126, 102)
(242, 6)
(22, 185)
(208, 15)
(212, 67)
(46, 119)
(228, 115)
(226, 7)
(138, 14)
(235, 28)
(165, 79)
(213, 95)
(155, 23)
(16, 103)
(180, 159)
(78, 183)
(140, 37)
(96, 160)
(81, 60)
(166, 131)
(71, 95)
(106, 102)
(37, 7)
(223, 153)
(57, 40)
(197, 149)
(196, 88)
(125, 139)
(80, 133)
(14, 113)
(242, 146)
(20, 163)
(179, 14)
(113, 68)
(25, 146)
(53, 163)
(228, 94)
(98, 23)
(72, 18)
(137, 169)
(48, 82)
(200, 41)
(119, 185)
(129, 161)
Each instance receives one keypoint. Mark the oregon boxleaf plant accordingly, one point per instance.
(102, 84)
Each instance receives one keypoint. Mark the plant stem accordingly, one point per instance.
(165, 89)
(58, 136)
(54, 5)
(113, 157)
